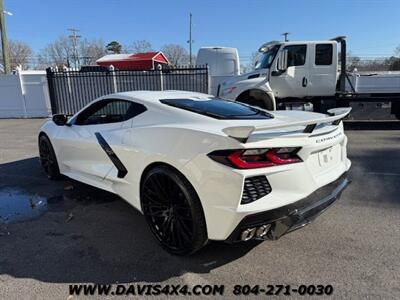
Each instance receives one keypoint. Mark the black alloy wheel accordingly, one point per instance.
(173, 211)
(48, 158)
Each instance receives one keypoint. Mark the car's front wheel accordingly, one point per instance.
(173, 211)
(48, 158)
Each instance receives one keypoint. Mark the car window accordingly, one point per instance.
(218, 108)
(323, 54)
(296, 55)
(109, 111)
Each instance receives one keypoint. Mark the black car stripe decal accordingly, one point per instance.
(122, 171)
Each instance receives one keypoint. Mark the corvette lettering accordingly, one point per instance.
(328, 138)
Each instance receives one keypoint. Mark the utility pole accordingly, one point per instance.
(4, 47)
(285, 34)
(74, 38)
(190, 41)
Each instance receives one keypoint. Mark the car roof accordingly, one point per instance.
(154, 96)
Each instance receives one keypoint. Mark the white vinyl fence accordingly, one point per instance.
(24, 94)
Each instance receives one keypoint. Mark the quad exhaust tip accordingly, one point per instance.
(248, 234)
(255, 232)
(262, 231)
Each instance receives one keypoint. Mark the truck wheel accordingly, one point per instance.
(253, 102)
(256, 98)
(173, 211)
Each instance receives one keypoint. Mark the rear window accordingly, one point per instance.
(219, 108)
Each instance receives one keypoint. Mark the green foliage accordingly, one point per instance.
(114, 47)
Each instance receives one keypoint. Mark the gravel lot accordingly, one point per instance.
(90, 236)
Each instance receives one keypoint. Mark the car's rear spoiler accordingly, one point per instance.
(242, 133)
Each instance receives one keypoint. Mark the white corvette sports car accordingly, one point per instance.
(201, 168)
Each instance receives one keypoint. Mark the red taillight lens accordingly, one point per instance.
(241, 161)
(257, 158)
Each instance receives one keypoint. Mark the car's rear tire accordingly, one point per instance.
(173, 211)
(48, 158)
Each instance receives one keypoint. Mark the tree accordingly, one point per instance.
(141, 46)
(394, 63)
(352, 61)
(61, 53)
(395, 60)
(91, 50)
(397, 51)
(251, 64)
(20, 54)
(176, 54)
(114, 47)
(57, 53)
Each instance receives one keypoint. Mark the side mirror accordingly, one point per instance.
(60, 119)
(282, 61)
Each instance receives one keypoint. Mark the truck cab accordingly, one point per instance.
(287, 70)
(305, 75)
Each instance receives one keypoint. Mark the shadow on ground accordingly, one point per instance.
(88, 235)
(375, 179)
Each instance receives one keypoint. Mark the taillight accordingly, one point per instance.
(257, 158)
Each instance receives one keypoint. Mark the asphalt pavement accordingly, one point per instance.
(85, 235)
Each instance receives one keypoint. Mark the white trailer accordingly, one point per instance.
(308, 75)
(223, 64)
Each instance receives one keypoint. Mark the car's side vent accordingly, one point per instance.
(255, 188)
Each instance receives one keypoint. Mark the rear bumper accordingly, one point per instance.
(295, 215)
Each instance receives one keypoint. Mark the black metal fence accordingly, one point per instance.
(71, 90)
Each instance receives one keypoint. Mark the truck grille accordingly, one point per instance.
(255, 188)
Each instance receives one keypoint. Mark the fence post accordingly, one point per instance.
(65, 70)
(160, 72)
(50, 84)
(112, 69)
(18, 72)
(208, 80)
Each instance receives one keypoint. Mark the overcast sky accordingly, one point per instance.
(372, 26)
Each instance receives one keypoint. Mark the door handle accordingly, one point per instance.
(304, 83)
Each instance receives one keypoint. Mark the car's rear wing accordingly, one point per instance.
(242, 133)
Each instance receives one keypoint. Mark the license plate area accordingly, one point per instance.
(324, 160)
(328, 157)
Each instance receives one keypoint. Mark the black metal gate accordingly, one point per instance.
(71, 90)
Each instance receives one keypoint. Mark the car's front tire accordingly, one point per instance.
(48, 158)
(173, 211)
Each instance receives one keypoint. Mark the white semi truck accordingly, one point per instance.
(307, 75)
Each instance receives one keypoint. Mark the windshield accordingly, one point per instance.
(219, 108)
(266, 58)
